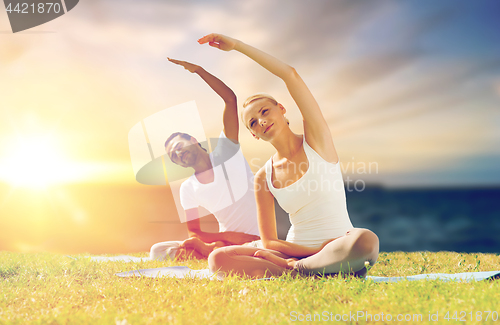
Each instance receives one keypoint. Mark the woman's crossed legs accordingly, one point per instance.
(346, 254)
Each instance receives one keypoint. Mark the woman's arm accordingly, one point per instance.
(316, 129)
(267, 221)
(230, 117)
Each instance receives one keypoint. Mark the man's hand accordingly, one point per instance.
(188, 66)
(238, 238)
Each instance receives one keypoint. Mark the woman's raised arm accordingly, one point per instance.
(316, 129)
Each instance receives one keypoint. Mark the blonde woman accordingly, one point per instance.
(305, 178)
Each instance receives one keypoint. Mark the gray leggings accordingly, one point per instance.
(345, 254)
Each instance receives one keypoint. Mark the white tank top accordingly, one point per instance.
(316, 203)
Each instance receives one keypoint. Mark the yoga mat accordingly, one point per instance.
(184, 271)
(121, 258)
(466, 277)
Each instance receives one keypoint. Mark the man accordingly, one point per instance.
(222, 183)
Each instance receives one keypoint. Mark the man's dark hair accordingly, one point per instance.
(182, 135)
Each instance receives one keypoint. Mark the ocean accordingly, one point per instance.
(450, 219)
(117, 219)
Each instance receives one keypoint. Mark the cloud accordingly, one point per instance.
(496, 87)
(437, 87)
(371, 69)
(373, 66)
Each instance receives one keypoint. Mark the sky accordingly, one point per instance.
(409, 86)
(409, 89)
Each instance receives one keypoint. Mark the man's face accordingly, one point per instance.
(183, 152)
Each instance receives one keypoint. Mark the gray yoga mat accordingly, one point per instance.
(466, 277)
(186, 272)
(120, 258)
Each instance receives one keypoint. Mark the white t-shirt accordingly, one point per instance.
(230, 196)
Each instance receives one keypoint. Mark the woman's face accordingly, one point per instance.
(263, 118)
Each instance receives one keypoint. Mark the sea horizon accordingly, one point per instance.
(116, 219)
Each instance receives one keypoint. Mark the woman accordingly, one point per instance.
(304, 176)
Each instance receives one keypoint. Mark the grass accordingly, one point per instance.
(54, 289)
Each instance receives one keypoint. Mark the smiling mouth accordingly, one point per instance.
(267, 129)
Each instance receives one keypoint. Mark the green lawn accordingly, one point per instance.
(54, 289)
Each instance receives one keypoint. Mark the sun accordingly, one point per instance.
(36, 161)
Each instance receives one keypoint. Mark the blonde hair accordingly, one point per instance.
(258, 96)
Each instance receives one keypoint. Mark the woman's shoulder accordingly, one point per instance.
(261, 177)
(261, 173)
(266, 170)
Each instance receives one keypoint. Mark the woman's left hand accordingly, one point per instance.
(268, 256)
(219, 41)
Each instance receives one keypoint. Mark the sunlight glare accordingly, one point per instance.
(36, 162)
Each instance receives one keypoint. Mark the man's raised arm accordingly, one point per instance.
(230, 117)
